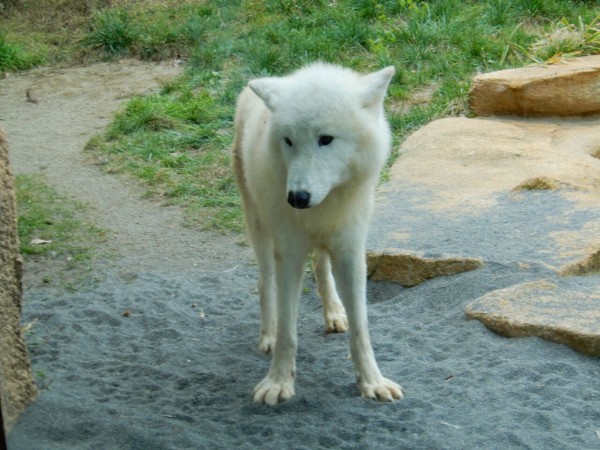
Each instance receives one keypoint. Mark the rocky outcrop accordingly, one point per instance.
(504, 191)
(17, 387)
(467, 162)
(571, 88)
(513, 192)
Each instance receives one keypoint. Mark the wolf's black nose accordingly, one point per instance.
(300, 199)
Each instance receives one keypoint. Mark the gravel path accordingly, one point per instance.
(161, 353)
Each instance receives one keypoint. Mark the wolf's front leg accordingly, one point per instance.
(278, 385)
(349, 269)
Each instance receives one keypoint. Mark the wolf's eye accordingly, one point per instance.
(325, 139)
(288, 141)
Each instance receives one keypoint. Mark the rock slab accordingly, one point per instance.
(17, 388)
(507, 191)
(411, 269)
(570, 88)
(567, 312)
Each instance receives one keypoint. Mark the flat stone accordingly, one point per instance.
(570, 88)
(507, 191)
(566, 311)
(411, 268)
(468, 161)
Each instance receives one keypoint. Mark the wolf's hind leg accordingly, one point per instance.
(333, 310)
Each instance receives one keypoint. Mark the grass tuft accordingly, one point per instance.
(564, 40)
(14, 57)
(52, 230)
(113, 32)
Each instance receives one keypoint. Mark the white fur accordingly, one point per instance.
(340, 177)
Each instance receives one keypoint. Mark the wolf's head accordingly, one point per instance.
(329, 126)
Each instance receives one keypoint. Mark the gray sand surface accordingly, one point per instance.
(178, 372)
(161, 352)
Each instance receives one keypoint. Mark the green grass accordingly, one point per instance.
(564, 40)
(178, 141)
(45, 215)
(164, 31)
(177, 144)
(14, 57)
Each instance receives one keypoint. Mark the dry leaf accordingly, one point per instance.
(39, 242)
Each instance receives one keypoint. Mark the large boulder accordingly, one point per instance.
(570, 88)
(17, 387)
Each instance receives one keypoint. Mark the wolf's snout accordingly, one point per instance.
(299, 199)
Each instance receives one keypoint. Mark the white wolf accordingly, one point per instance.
(307, 156)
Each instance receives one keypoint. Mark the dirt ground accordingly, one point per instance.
(48, 137)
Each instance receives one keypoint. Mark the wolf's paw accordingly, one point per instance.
(266, 344)
(270, 391)
(334, 313)
(336, 322)
(384, 390)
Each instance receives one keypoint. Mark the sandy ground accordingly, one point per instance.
(161, 353)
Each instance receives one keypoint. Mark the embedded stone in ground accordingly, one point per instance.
(466, 162)
(566, 311)
(411, 268)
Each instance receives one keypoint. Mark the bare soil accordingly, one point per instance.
(49, 115)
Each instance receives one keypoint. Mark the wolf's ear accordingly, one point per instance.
(268, 89)
(375, 85)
